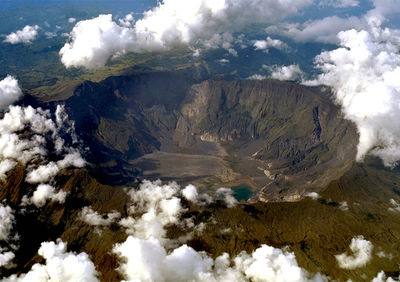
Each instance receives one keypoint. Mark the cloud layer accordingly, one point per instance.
(340, 3)
(172, 23)
(321, 30)
(325, 29)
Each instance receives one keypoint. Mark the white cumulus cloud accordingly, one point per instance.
(7, 221)
(191, 194)
(6, 259)
(364, 73)
(25, 35)
(292, 72)
(50, 34)
(227, 195)
(43, 193)
(45, 173)
(152, 208)
(322, 30)
(382, 9)
(94, 41)
(172, 23)
(268, 43)
(26, 134)
(6, 166)
(257, 77)
(147, 260)
(325, 30)
(361, 254)
(147, 254)
(92, 217)
(59, 266)
(9, 92)
(340, 3)
(395, 206)
(14, 149)
(312, 195)
(343, 206)
(381, 277)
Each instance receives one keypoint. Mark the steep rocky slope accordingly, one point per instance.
(278, 137)
(295, 132)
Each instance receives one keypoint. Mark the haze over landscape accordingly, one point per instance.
(200, 140)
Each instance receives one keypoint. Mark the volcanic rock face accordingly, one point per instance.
(295, 133)
(280, 138)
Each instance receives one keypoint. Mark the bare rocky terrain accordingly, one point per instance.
(285, 139)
